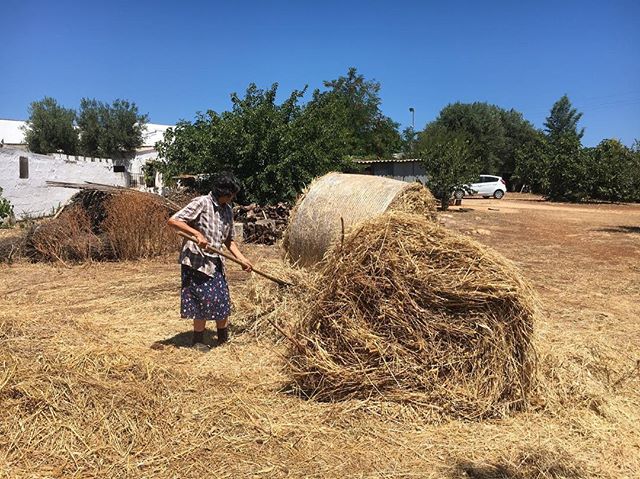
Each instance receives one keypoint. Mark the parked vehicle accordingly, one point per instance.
(488, 186)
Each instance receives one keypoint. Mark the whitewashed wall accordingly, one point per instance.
(32, 196)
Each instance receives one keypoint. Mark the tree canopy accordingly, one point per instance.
(448, 160)
(110, 130)
(100, 129)
(277, 149)
(50, 128)
(563, 120)
(493, 133)
(354, 103)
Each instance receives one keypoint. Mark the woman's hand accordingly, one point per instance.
(201, 240)
(246, 264)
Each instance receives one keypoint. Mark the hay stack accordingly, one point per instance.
(414, 313)
(315, 221)
(98, 225)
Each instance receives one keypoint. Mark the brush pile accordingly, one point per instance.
(262, 224)
(117, 224)
(410, 312)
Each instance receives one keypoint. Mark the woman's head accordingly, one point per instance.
(224, 187)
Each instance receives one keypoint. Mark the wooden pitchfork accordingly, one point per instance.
(211, 249)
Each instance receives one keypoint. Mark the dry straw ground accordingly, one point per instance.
(93, 382)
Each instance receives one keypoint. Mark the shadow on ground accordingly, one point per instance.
(527, 469)
(184, 339)
(622, 229)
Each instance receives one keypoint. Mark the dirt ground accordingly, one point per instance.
(226, 413)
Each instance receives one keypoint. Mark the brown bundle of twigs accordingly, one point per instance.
(411, 312)
(118, 224)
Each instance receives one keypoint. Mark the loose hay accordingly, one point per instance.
(260, 304)
(411, 312)
(336, 201)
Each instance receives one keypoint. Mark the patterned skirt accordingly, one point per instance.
(203, 296)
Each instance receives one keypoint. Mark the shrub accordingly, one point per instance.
(6, 209)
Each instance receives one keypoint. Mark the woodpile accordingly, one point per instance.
(262, 224)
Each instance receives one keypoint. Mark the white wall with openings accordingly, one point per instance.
(23, 177)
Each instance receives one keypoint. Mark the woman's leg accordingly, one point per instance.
(198, 331)
(223, 332)
(222, 324)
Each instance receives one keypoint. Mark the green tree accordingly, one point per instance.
(494, 134)
(563, 120)
(570, 178)
(110, 130)
(408, 146)
(448, 161)
(635, 171)
(90, 124)
(6, 209)
(570, 173)
(50, 128)
(352, 104)
(615, 172)
(275, 149)
(532, 164)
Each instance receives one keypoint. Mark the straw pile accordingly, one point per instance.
(410, 312)
(336, 202)
(100, 225)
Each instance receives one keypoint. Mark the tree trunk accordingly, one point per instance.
(444, 202)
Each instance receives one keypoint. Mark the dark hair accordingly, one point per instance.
(224, 184)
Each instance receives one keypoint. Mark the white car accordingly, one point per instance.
(488, 186)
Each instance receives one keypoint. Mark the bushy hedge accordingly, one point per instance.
(563, 170)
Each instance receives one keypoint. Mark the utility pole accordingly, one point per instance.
(413, 118)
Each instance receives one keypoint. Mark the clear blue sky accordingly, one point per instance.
(174, 58)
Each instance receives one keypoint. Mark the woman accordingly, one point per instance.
(205, 294)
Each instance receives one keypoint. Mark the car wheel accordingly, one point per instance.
(458, 195)
(498, 194)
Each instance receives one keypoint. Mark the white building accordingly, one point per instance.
(404, 169)
(23, 175)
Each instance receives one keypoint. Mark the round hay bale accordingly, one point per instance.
(411, 312)
(316, 220)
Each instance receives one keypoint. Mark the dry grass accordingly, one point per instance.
(415, 199)
(136, 227)
(104, 226)
(264, 306)
(407, 311)
(68, 238)
(82, 394)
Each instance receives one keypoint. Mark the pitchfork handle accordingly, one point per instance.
(211, 249)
